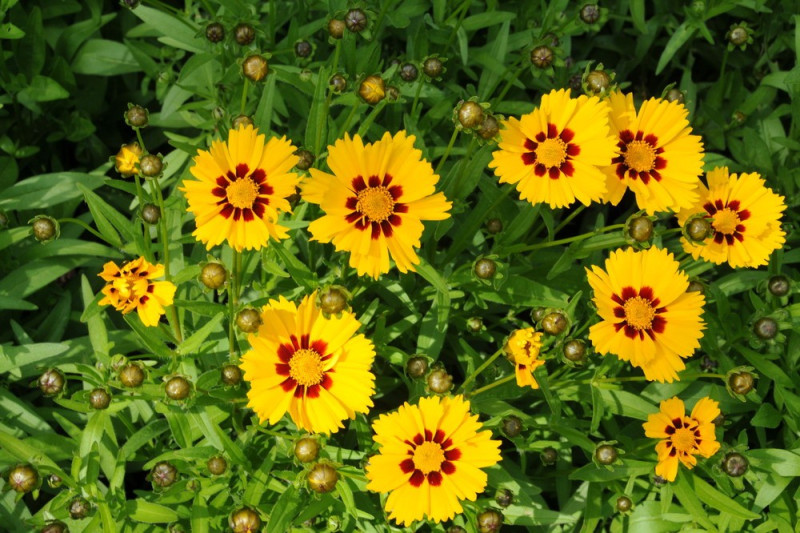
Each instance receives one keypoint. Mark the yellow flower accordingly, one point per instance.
(522, 349)
(554, 153)
(745, 216)
(132, 288)
(315, 368)
(375, 201)
(659, 160)
(682, 436)
(647, 317)
(241, 188)
(127, 159)
(430, 458)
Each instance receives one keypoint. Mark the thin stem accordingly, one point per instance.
(480, 369)
(85, 226)
(416, 98)
(625, 379)
(567, 220)
(447, 150)
(464, 8)
(349, 119)
(382, 14)
(172, 315)
(510, 81)
(145, 228)
(583, 236)
(371, 118)
(245, 88)
(490, 386)
(233, 299)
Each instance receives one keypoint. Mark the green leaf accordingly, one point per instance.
(102, 57)
(18, 358)
(637, 15)
(193, 343)
(678, 39)
(717, 500)
(47, 190)
(150, 513)
(9, 31)
(690, 501)
(316, 126)
(284, 510)
(766, 368)
(177, 32)
(782, 462)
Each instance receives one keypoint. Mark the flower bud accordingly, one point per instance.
(355, 20)
(372, 90)
(475, 324)
(241, 121)
(231, 375)
(490, 127)
(79, 508)
(575, 350)
(735, 464)
(542, 56)
(217, 465)
(248, 320)
(255, 67)
(576, 82)
(303, 49)
(624, 504)
(549, 456)
(244, 33)
(433, 67)
(127, 159)
(244, 520)
(333, 300)
(494, 226)
(99, 399)
(336, 28)
(504, 497)
(696, 286)
(213, 275)
(306, 449)
(485, 268)
(470, 115)
(54, 481)
(765, 328)
(719, 421)
(151, 214)
(51, 382)
(44, 228)
(392, 93)
(439, 381)
(590, 13)
(489, 521)
(215, 32)
(56, 526)
(178, 388)
(597, 82)
(409, 72)
(708, 364)
(779, 286)
(640, 229)
(322, 478)
(338, 83)
(131, 375)
(151, 165)
(605, 454)
(511, 426)
(554, 323)
(538, 314)
(741, 382)
(738, 35)
(137, 116)
(699, 229)
(675, 95)
(417, 366)
(23, 478)
(659, 481)
(131, 4)
(164, 474)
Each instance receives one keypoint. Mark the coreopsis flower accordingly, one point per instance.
(659, 160)
(554, 154)
(133, 288)
(127, 159)
(745, 216)
(647, 315)
(314, 367)
(682, 437)
(241, 188)
(430, 459)
(375, 201)
(522, 349)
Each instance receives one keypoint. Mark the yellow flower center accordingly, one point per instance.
(551, 152)
(242, 193)
(305, 367)
(428, 457)
(376, 203)
(640, 156)
(683, 440)
(639, 313)
(725, 221)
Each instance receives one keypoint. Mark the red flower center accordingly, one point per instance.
(639, 312)
(302, 365)
(375, 205)
(727, 220)
(241, 193)
(639, 157)
(431, 456)
(551, 153)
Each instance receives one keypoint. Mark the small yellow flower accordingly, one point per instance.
(682, 437)
(127, 159)
(522, 349)
(131, 288)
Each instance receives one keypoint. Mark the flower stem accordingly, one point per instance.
(490, 386)
(233, 300)
(447, 150)
(567, 240)
(172, 315)
(569, 218)
(371, 118)
(244, 96)
(480, 369)
(416, 97)
(348, 120)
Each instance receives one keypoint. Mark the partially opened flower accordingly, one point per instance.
(659, 160)
(241, 188)
(430, 459)
(682, 437)
(647, 315)
(745, 216)
(375, 201)
(554, 154)
(522, 349)
(127, 159)
(132, 288)
(314, 367)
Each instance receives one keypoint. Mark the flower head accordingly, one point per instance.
(554, 153)
(430, 458)
(660, 160)
(682, 437)
(127, 158)
(522, 349)
(375, 201)
(132, 288)
(745, 216)
(314, 367)
(647, 316)
(241, 187)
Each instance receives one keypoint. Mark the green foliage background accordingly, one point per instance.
(68, 70)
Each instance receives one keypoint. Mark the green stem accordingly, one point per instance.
(371, 118)
(510, 81)
(145, 228)
(245, 88)
(567, 240)
(233, 300)
(416, 98)
(567, 220)
(172, 313)
(447, 150)
(626, 379)
(480, 369)
(382, 14)
(349, 119)
(490, 386)
(464, 8)
(85, 226)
